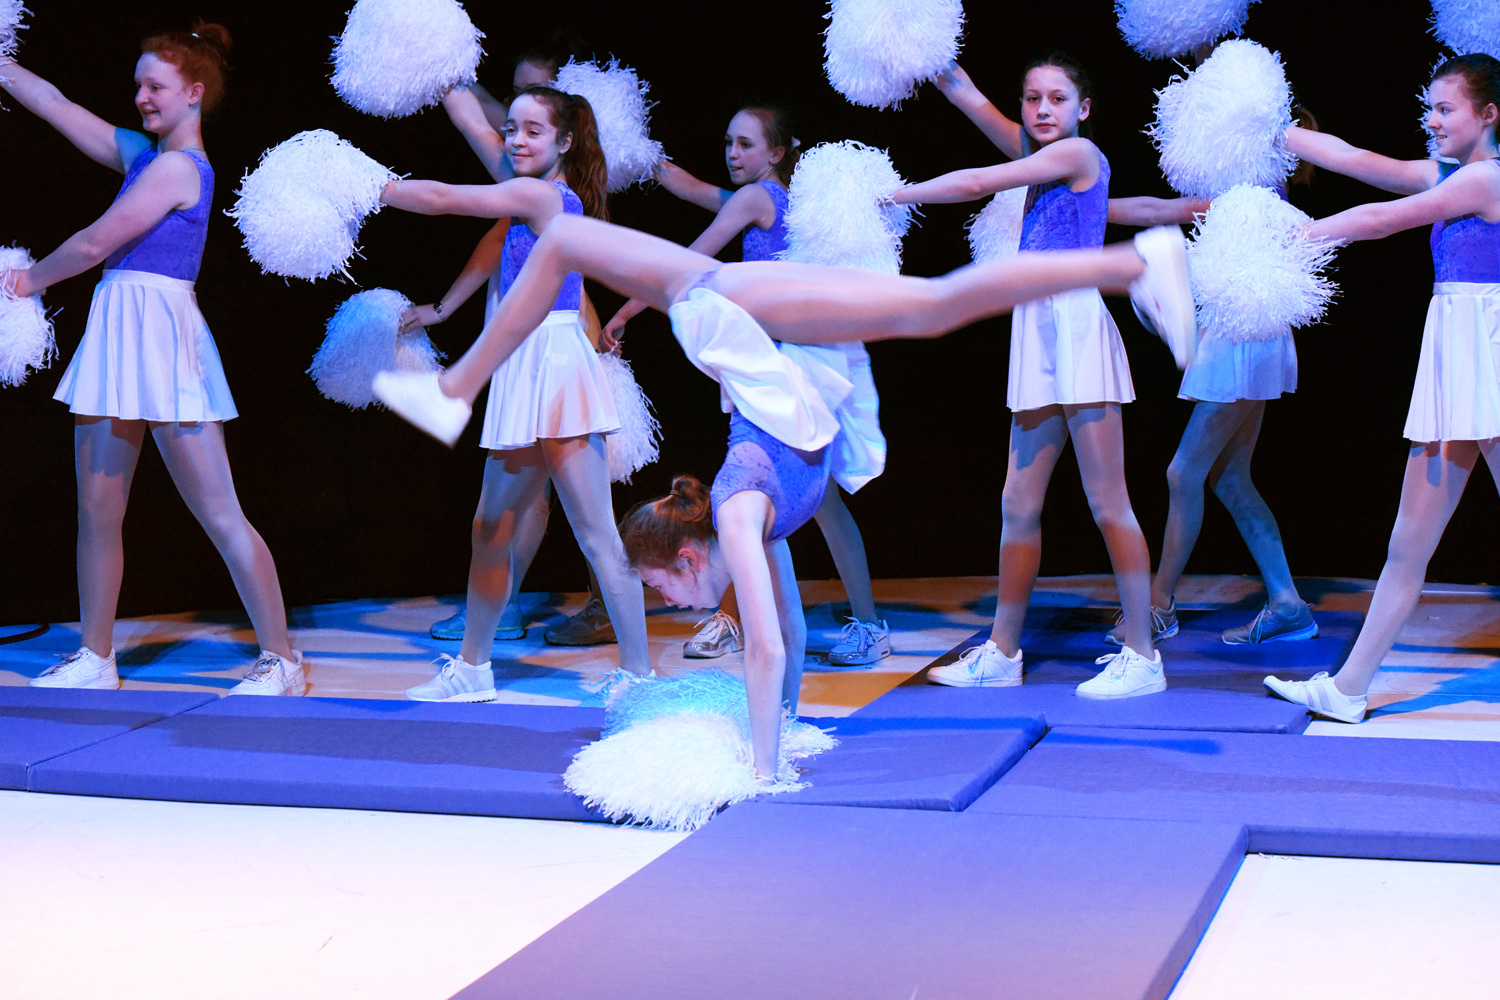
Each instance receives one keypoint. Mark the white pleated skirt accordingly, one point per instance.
(146, 354)
(1456, 396)
(1066, 349)
(859, 450)
(551, 387)
(1225, 372)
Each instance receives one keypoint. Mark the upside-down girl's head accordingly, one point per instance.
(549, 132)
(1056, 97)
(671, 542)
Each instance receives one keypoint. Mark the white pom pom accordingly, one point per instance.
(634, 445)
(703, 692)
(1467, 26)
(996, 231)
(363, 339)
(25, 331)
(618, 98)
(301, 209)
(1225, 123)
(10, 24)
(876, 52)
(397, 57)
(839, 211)
(1255, 274)
(1159, 29)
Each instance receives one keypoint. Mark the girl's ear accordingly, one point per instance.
(195, 94)
(777, 155)
(1083, 108)
(691, 557)
(566, 144)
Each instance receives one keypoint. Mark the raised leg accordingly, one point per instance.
(1036, 440)
(847, 547)
(105, 452)
(513, 480)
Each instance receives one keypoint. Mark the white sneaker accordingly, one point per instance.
(1320, 697)
(1163, 297)
(980, 666)
(717, 634)
(273, 675)
(416, 398)
(861, 644)
(82, 669)
(457, 681)
(1125, 675)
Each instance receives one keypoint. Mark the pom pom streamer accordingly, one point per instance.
(1467, 26)
(301, 209)
(839, 211)
(26, 341)
(1255, 274)
(1225, 123)
(397, 57)
(363, 339)
(695, 691)
(995, 233)
(618, 98)
(1160, 29)
(634, 445)
(10, 25)
(876, 52)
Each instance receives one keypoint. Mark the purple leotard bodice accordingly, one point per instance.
(794, 480)
(767, 244)
(1466, 248)
(174, 246)
(518, 243)
(1058, 218)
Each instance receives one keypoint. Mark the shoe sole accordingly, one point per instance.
(1156, 688)
(710, 654)
(104, 686)
(873, 655)
(1306, 632)
(468, 697)
(602, 641)
(1000, 682)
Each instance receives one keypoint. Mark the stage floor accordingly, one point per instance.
(173, 899)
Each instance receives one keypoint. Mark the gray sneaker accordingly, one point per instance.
(590, 627)
(1268, 626)
(717, 634)
(1163, 625)
(510, 627)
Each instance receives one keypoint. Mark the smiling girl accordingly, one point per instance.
(1454, 418)
(549, 405)
(147, 361)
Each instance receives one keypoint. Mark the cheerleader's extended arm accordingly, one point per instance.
(482, 263)
(1064, 160)
(468, 114)
(1384, 172)
(1155, 211)
(529, 198)
(690, 189)
(999, 129)
(100, 141)
(1472, 190)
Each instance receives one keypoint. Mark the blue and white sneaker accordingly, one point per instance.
(861, 644)
(511, 626)
(1268, 626)
(457, 681)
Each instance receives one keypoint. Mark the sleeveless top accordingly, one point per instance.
(174, 246)
(1058, 218)
(1466, 248)
(518, 243)
(767, 244)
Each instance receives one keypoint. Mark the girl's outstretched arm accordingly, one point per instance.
(960, 90)
(1384, 172)
(100, 141)
(468, 116)
(170, 182)
(1155, 211)
(1472, 190)
(482, 263)
(524, 197)
(1072, 160)
(689, 188)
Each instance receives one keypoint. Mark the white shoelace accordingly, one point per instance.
(715, 625)
(859, 634)
(264, 667)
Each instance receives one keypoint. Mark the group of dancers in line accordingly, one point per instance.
(147, 364)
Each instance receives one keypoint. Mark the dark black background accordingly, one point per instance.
(357, 504)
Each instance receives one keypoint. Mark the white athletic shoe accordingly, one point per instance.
(717, 634)
(273, 675)
(861, 644)
(1125, 675)
(1162, 296)
(457, 681)
(416, 398)
(82, 669)
(1320, 697)
(979, 666)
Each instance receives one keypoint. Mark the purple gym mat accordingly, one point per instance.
(1061, 645)
(768, 902)
(1415, 800)
(37, 724)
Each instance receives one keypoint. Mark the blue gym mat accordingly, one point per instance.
(1416, 800)
(37, 724)
(768, 902)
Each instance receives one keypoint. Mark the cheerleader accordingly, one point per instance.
(761, 154)
(549, 405)
(1454, 418)
(1068, 373)
(147, 362)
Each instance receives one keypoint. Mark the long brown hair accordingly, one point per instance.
(655, 531)
(200, 55)
(583, 164)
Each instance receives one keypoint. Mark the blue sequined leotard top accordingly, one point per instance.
(518, 243)
(1059, 218)
(1466, 248)
(174, 246)
(767, 244)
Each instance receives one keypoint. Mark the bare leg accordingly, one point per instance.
(105, 452)
(195, 456)
(531, 528)
(580, 473)
(1036, 440)
(1436, 474)
(793, 621)
(1232, 484)
(513, 480)
(848, 549)
(1098, 441)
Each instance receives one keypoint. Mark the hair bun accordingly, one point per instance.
(216, 35)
